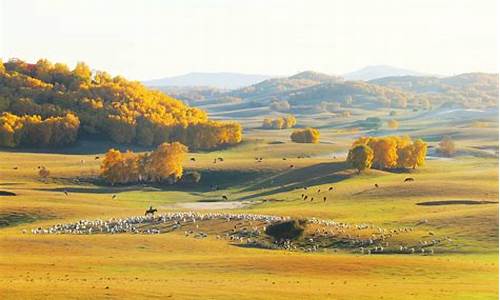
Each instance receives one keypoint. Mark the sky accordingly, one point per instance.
(157, 38)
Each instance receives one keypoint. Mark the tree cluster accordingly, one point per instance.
(32, 130)
(125, 111)
(387, 153)
(279, 123)
(306, 135)
(162, 165)
(447, 146)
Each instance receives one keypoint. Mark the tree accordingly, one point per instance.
(307, 135)
(360, 157)
(393, 124)
(166, 162)
(447, 146)
(412, 155)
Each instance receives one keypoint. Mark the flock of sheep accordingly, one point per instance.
(248, 229)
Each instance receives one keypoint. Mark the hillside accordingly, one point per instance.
(48, 105)
(469, 89)
(223, 80)
(316, 92)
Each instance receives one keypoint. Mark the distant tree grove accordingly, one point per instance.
(387, 153)
(94, 103)
(306, 135)
(162, 165)
(279, 123)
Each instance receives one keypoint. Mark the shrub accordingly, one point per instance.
(447, 146)
(191, 177)
(290, 230)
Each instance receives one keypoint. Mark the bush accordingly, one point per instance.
(191, 177)
(447, 146)
(290, 230)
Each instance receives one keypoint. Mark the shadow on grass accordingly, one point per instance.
(16, 218)
(299, 178)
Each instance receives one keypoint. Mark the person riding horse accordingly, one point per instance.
(150, 211)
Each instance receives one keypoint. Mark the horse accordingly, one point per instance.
(150, 211)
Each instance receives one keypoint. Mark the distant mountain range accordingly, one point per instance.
(223, 80)
(227, 80)
(379, 71)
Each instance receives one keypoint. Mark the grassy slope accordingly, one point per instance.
(171, 265)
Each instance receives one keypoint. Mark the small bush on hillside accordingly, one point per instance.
(447, 146)
(191, 177)
(290, 230)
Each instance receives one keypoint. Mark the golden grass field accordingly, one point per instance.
(177, 267)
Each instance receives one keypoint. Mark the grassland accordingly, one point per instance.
(178, 267)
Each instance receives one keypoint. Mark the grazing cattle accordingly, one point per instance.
(113, 197)
(215, 160)
(220, 158)
(376, 185)
(150, 211)
(291, 166)
(330, 188)
(97, 157)
(15, 168)
(66, 193)
(409, 179)
(193, 159)
(305, 188)
(284, 158)
(305, 197)
(224, 197)
(319, 191)
(324, 199)
(312, 199)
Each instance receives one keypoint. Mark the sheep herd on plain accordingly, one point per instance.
(249, 230)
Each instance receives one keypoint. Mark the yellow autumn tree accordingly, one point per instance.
(394, 151)
(360, 157)
(307, 135)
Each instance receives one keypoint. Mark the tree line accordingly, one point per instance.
(387, 153)
(125, 111)
(32, 130)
